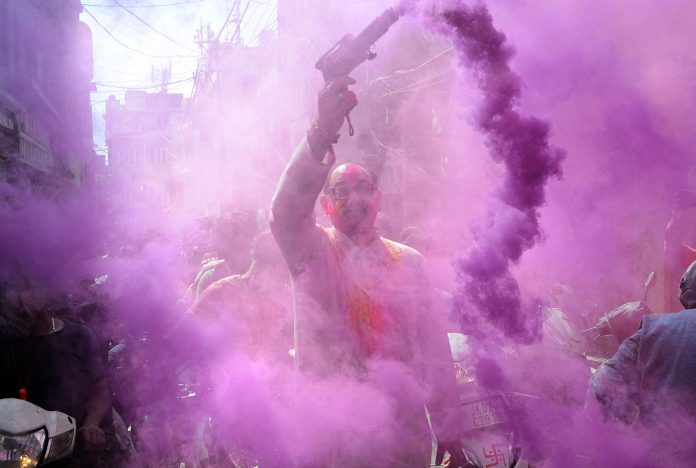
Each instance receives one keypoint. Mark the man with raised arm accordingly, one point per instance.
(360, 299)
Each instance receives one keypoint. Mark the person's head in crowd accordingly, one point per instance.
(232, 237)
(687, 287)
(92, 308)
(264, 251)
(25, 309)
(197, 241)
(351, 199)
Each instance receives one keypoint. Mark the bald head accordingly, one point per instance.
(351, 199)
(346, 172)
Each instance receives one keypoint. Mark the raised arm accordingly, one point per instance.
(292, 209)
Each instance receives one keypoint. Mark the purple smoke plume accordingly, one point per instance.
(620, 102)
(521, 144)
(38, 241)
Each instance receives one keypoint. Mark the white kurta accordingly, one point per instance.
(355, 305)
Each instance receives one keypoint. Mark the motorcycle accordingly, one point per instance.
(31, 436)
(487, 443)
(162, 404)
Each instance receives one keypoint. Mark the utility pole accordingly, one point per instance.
(235, 15)
(205, 41)
(161, 76)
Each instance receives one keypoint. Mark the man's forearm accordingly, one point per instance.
(299, 187)
(292, 218)
(292, 209)
(303, 179)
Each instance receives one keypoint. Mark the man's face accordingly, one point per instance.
(352, 201)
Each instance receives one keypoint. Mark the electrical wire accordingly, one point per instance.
(174, 41)
(109, 91)
(265, 26)
(270, 4)
(388, 75)
(138, 80)
(177, 85)
(142, 87)
(414, 86)
(143, 6)
(239, 23)
(129, 47)
(389, 148)
(227, 20)
(262, 20)
(120, 72)
(116, 22)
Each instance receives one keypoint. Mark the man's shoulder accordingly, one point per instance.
(231, 280)
(75, 328)
(76, 335)
(399, 250)
(672, 318)
(228, 285)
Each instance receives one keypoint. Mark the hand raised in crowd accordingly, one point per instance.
(334, 103)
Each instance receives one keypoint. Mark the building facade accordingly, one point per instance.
(45, 83)
(145, 147)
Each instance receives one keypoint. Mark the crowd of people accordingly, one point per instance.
(314, 300)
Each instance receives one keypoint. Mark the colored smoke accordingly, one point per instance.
(521, 144)
(617, 87)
